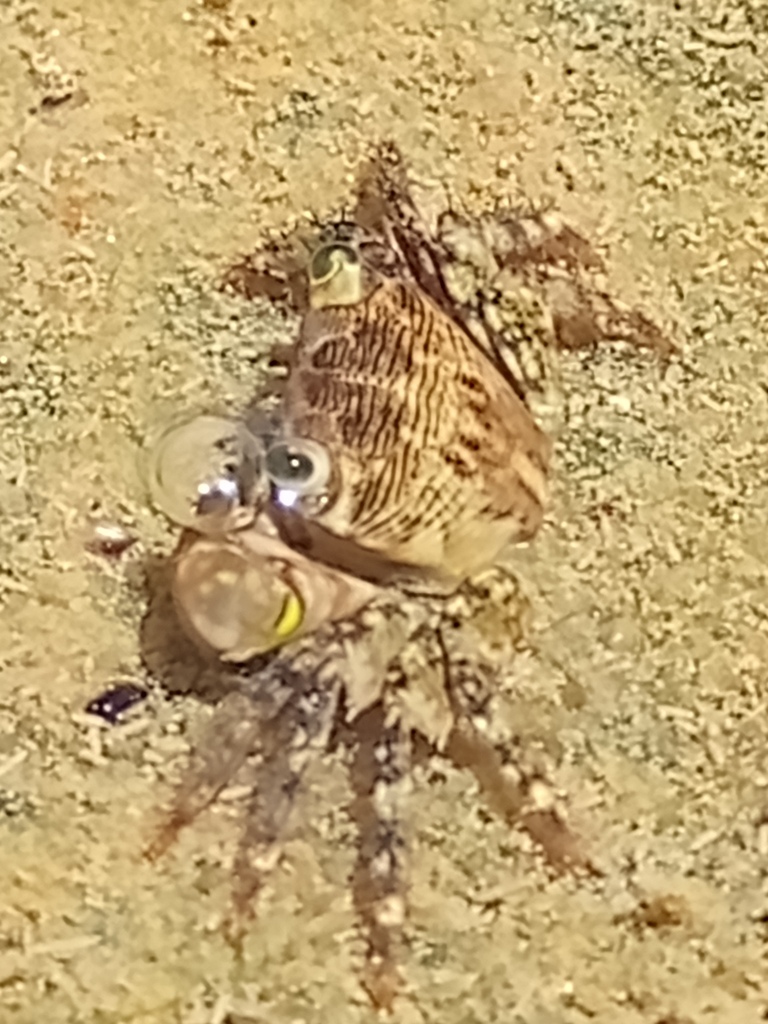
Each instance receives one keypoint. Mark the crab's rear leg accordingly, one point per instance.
(516, 797)
(380, 779)
(541, 249)
(523, 798)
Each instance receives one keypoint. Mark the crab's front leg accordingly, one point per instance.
(292, 739)
(380, 780)
(271, 726)
(234, 734)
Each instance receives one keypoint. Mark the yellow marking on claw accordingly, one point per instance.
(291, 616)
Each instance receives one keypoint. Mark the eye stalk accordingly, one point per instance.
(335, 276)
(298, 469)
(206, 474)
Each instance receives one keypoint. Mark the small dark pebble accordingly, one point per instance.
(114, 702)
(109, 540)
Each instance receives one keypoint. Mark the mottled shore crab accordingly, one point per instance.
(354, 533)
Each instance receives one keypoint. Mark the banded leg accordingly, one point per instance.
(522, 798)
(380, 779)
(354, 660)
(295, 735)
(524, 254)
(233, 735)
(546, 252)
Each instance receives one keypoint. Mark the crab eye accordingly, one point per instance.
(297, 468)
(205, 474)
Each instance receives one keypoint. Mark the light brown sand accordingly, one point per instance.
(189, 131)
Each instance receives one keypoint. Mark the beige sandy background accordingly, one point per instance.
(142, 146)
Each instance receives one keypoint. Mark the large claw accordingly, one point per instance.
(244, 593)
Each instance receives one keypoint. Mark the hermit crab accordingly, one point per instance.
(341, 553)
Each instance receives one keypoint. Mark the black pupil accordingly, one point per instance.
(286, 464)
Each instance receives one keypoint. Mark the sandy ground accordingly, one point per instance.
(142, 146)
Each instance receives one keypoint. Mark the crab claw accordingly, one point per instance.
(242, 594)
